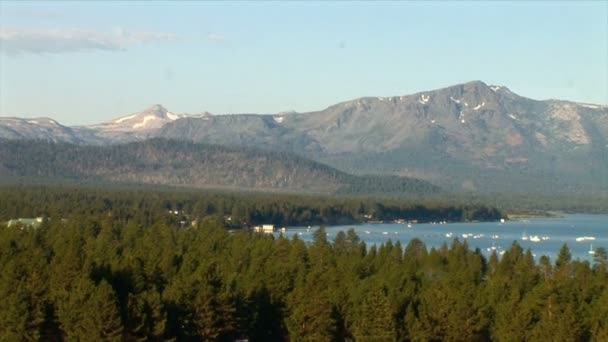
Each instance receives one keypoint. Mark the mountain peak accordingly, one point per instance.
(476, 84)
(157, 110)
(152, 117)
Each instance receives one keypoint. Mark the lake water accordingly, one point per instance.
(544, 236)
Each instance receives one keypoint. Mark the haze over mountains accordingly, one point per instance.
(470, 136)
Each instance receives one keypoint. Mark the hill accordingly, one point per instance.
(192, 165)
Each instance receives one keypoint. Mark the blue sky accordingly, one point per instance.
(87, 62)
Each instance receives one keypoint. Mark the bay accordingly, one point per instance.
(543, 236)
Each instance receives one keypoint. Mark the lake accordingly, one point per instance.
(544, 236)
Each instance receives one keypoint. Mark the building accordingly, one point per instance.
(25, 222)
(265, 228)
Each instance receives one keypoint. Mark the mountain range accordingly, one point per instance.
(471, 136)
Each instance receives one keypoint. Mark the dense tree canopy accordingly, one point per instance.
(241, 209)
(119, 266)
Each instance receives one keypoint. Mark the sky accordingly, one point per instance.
(88, 62)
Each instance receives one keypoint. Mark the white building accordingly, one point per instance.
(265, 228)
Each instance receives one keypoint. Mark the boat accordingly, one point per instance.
(585, 238)
(591, 251)
(535, 238)
(524, 236)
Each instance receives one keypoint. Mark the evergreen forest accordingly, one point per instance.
(109, 265)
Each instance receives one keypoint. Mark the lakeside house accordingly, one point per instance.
(25, 222)
(265, 228)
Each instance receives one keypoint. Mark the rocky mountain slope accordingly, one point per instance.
(465, 133)
(36, 129)
(470, 136)
(132, 127)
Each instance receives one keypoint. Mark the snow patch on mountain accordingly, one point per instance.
(424, 99)
(117, 121)
(147, 118)
(479, 106)
(592, 106)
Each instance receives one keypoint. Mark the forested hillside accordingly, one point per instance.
(184, 164)
(243, 209)
(118, 267)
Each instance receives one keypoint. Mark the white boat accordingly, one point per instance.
(535, 238)
(409, 225)
(591, 251)
(585, 238)
(524, 236)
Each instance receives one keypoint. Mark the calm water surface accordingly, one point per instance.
(551, 234)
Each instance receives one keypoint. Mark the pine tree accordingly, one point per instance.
(213, 314)
(310, 315)
(90, 312)
(374, 320)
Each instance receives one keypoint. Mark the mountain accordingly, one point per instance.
(150, 119)
(471, 136)
(135, 126)
(185, 164)
(37, 129)
(263, 131)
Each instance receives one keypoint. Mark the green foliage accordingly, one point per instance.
(112, 265)
(148, 206)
